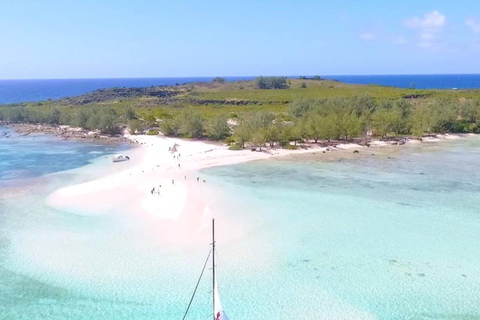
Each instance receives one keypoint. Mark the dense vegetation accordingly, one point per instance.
(272, 110)
(271, 82)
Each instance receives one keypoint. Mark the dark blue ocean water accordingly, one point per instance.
(418, 81)
(12, 91)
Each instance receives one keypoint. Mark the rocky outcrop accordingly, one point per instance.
(69, 133)
(103, 95)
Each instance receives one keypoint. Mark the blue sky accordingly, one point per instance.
(154, 38)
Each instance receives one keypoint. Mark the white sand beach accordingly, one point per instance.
(161, 184)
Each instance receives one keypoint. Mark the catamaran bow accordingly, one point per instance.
(218, 312)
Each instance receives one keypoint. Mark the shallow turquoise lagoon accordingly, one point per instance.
(385, 234)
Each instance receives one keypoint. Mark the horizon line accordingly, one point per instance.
(208, 77)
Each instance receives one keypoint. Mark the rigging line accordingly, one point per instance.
(196, 287)
(209, 316)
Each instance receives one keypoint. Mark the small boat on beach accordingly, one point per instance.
(120, 158)
(218, 312)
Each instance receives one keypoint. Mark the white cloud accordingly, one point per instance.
(430, 26)
(431, 20)
(367, 36)
(398, 41)
(473, 24)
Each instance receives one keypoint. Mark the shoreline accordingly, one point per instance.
(65, 133)
(160, 185)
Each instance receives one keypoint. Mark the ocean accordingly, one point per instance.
(389, 233)
(34, 155)
(14, 91)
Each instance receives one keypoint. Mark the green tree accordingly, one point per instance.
(81, 119)
(136, 126)
(445, 116)
(353, 125)
(332, 127)
(191, 125)
(15, 114)
(386, 121)
(218, 128)
(259, 138)
(130, 114)
(219, 80)
(54, 116)
(93, 121)
(421, 121)
(300, 107)
(108, 123)
(151, 120)
(170, 127)
(286, 134)
(271, 82)
(243, 132)
(261, 83)
(297, 131)
(315, 127)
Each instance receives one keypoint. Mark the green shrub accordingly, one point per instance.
(235, 147)
(218, 128)
(219, 80)
(152, 132)
(291, 147)
(230, 140)
(136, 126)
(271, 82)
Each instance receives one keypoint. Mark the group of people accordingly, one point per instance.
(156, 190)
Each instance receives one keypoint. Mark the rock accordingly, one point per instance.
(356, 151)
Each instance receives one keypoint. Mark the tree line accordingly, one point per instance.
(357, 117)
(106, 120)
(306, 119)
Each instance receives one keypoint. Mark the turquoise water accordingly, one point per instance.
(392, 235)
(34, 155)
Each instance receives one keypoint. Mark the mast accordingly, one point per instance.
(213, 266)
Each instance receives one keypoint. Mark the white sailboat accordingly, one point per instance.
(218, 312)
(120, 158)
